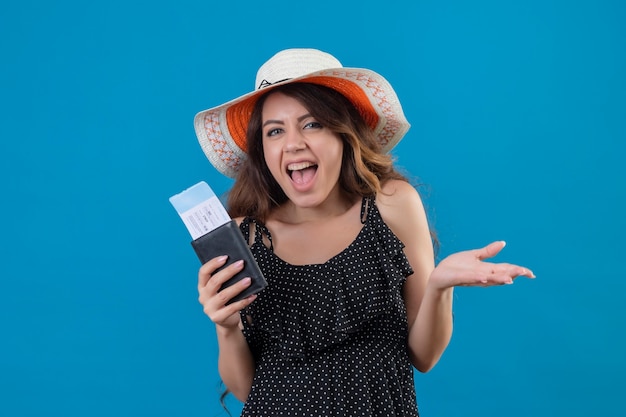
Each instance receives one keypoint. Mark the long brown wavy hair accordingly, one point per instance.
(364, 166)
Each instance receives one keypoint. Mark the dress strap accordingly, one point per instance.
(244, 227)
(365, 208)
(259, 231)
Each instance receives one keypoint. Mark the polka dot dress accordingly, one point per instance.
(330, 339)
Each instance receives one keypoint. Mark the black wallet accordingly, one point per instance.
(228, 240)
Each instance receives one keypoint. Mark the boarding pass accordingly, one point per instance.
(200, 209)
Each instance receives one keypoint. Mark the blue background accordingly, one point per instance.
(518, 113)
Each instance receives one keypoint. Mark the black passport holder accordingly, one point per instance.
(228, 240)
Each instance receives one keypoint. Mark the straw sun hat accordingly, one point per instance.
(221, 130)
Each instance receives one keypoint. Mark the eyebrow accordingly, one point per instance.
(301, 118)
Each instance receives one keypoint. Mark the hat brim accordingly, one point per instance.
(221, 130)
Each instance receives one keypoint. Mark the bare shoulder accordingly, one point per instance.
(401, 207)
(398, 198)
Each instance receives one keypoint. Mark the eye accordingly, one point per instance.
(313, 125)
(273, 132)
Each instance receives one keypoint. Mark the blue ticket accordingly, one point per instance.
(200, 209)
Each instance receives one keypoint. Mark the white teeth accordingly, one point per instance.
(299, 166)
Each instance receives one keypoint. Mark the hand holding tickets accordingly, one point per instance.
(215, 234)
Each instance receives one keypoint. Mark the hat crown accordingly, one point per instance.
(293, 63)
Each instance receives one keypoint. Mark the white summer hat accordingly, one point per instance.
(221, 130)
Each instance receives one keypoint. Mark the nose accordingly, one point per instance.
(294, 141)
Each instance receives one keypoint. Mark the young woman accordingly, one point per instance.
(354, 300)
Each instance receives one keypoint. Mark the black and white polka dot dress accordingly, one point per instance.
(330, 339)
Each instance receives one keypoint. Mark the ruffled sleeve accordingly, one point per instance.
(375, 288)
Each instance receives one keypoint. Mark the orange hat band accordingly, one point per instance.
(238, 115)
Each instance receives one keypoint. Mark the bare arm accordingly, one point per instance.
(428, 291)
(235, 363)
(429, 312)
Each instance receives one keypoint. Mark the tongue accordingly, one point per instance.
(303, 176)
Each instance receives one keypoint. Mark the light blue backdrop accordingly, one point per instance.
(518, 113)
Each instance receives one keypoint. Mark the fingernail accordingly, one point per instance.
(238, 263)
(222, 258)
(246, 281)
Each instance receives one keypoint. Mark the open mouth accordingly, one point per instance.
(302, 172)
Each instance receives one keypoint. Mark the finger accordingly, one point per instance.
(490, 250)
(241, 304)
(212, 298)
(502, 273)
(490, 274)
(514, 271)
(233, 308)
(204, 274)
(226, 294)
(525, 272)
(216, 307)
(219, 278)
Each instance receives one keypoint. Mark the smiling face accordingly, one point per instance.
(303, 156)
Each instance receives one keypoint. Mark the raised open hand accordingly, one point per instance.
(468, 268)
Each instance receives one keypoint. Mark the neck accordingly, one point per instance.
(335, 205)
